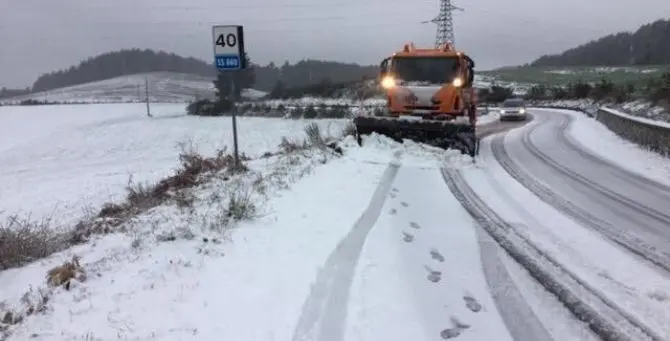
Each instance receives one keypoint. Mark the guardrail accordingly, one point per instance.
(648, 133)
(587, 112)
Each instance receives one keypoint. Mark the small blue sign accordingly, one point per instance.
(227, 62)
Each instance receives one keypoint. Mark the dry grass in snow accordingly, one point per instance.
(203, 200)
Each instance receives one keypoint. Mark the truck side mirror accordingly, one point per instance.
(471, 69)
(383, 68)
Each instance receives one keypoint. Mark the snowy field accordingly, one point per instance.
(63, 159)
(163, 87)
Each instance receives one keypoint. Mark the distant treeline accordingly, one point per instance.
(6, 93)
(133, 61)
(649, 45)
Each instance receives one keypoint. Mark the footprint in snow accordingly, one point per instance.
(393, 211)
(658, 295)
(433, 275)
(436, 255)
(472, 303)
(457, 327)
(404, 204)
(392, 195)
(408, 238)
(414, 225)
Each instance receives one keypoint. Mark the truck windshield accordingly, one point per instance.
(513, 103)
(433, 70)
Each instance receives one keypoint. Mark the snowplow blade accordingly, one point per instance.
(441, 134)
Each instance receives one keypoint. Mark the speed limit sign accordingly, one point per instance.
(228, 47)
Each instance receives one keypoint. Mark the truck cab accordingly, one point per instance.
(430, 83)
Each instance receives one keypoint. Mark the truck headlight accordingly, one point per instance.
(388, 82)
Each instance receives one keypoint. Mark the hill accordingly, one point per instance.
(164, 87)
(134, 61)
(172, 87)
(553, 75)
(649, 45)
(6, 93)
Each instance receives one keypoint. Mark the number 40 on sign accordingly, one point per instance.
(228, 47)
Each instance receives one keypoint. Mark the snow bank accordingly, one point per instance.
(637, 119)
(598, 139)
(638, 109)
(380, 149)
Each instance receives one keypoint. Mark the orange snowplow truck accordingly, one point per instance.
(426, 91)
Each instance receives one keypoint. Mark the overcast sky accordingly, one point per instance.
(38, 36)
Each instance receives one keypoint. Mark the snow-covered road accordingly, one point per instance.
(606, 226)
(612, 195)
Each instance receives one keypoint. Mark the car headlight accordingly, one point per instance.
(522, 111)
(388, 82)
(458, 82)
(502, 111)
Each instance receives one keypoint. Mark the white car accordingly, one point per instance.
(513, 109)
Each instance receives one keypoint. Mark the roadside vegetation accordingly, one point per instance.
(240, 191)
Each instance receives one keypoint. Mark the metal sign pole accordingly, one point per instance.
(234, 114)
(229, 56)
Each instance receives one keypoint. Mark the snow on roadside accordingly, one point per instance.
(596, 138)
(176, 276)
(316, 101)
(641, 109)
(492, 116)
(644, 109)
(409, 152)
(638, 118)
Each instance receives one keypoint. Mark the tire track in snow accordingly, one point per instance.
(323, 315)
(617, 235)
(661, 217)
(604, 317)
